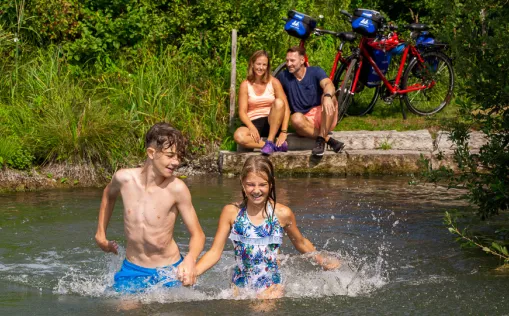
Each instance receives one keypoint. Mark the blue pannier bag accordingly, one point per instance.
(366, 22)
(299, 25)
(382, 60)
(423, 41)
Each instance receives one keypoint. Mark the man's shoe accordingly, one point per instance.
(336, 145)
(283, 148)
(319, 148)
(268, 148)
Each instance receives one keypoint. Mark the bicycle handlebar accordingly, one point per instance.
(347, 14)
(321, 32)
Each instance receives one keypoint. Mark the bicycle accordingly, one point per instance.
(301, 26)
(428, 74)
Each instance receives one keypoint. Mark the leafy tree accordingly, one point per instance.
(480, 40)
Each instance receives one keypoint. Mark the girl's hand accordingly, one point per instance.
(281, 139)
(328, 262)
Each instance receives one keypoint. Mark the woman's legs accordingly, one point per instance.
(242, 136)
(276, 116)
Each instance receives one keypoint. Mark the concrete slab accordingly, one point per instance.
(348, 162)
(366, 152)
(476, 141)
(367, 140)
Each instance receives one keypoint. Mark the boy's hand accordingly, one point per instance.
(186, 271)
(107, 245)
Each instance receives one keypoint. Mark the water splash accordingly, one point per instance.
(301, 278)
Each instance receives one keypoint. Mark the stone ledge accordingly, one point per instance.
(352, 162)
(442, 142)
(367, 140)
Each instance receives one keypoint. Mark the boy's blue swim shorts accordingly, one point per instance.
(133, 278)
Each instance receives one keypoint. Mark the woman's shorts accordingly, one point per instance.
(263, 126)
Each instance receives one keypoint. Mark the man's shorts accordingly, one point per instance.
(315, 116)
(133, 278)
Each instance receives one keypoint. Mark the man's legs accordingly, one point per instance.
(317, 124)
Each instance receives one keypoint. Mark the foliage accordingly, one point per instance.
(481, 38)
(482, 42)
(468, 240)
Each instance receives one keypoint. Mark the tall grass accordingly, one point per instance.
(102, 118)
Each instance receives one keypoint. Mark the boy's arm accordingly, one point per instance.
(302, 244)
(109, 197)
(187, 269)
(212, 256)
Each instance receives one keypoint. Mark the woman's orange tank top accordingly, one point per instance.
(259, 105)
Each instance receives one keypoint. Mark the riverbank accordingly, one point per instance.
(65, 175)
(366, 153)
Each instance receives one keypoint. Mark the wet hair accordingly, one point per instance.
(250, 68)
(162, 136)
(297, 49)
(261, 166)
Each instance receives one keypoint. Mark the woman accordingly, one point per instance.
(263, 108)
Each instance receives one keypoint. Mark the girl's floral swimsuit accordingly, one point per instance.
(256, 249)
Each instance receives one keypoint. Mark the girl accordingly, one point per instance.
(256, 228)
(263, 108)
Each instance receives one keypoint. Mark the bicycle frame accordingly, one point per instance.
(393, 89)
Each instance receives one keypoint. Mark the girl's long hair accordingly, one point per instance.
(263, 167)
(250, 68)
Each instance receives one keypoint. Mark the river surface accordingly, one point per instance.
(397, 256)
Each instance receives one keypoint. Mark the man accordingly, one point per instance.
(152, 198)
(310, 94)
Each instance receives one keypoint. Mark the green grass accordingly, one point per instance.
(389, 117)
(101, 118)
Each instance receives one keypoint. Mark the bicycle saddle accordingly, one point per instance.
(418, 27)
(347, 36)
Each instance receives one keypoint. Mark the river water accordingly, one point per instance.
(397, 256)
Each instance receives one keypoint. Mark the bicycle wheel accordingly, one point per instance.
(436, 68)
(364, 99)
(279, 69)
(344, 93)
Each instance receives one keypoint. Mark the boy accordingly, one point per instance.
(153, 198)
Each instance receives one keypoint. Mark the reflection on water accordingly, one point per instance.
(396, 255)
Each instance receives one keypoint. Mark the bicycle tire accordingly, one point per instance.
(363, 101)
(344, 93)
(438, 67)
(279, 69)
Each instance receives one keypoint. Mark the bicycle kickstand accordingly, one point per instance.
(402, 108)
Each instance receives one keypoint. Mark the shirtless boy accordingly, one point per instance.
(153, 198)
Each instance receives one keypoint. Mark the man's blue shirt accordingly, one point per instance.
(305, 94)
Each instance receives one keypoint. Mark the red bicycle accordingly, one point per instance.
(302, 26)
(425, 82)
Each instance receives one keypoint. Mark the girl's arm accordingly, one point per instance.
(302, 244)
(212, 256)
